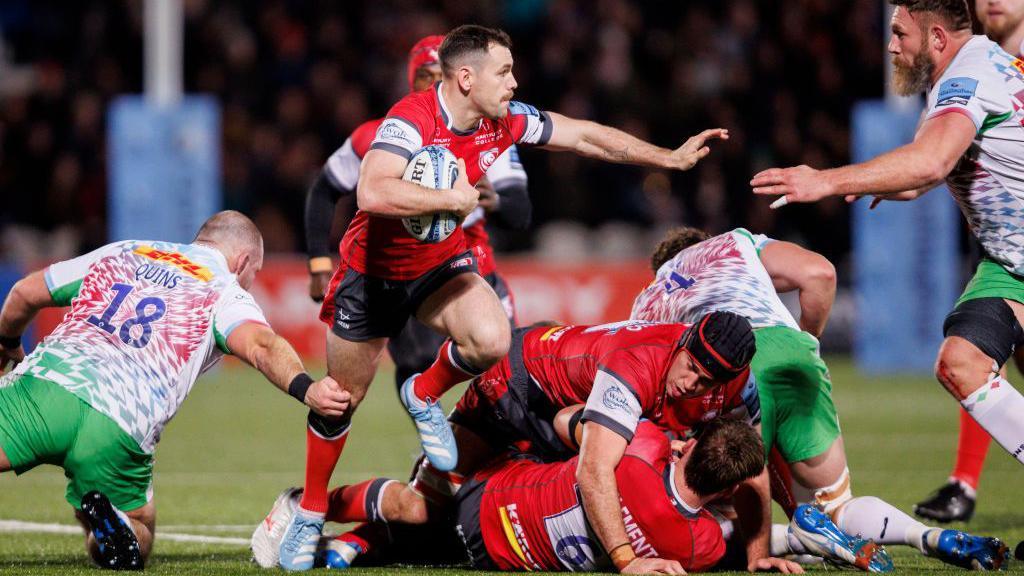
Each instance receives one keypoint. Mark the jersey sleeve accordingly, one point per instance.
(235, 307)
(621, 394)
(507, 170)
(529, 125)
(342, 168)
(63, 279)
(758, 240)
(745, 402)
(402, 131)
(968, 90)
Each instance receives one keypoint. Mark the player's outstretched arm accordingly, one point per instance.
(753, 508)
(792, 267)
(28, 296)
(922, 164)
(595, 140)
(382, 192)
(260, 347)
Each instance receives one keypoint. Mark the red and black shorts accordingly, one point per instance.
(506, 408)
(359, 307)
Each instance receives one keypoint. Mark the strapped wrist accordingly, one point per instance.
(299, 386)
(622, 555)
(321, 264)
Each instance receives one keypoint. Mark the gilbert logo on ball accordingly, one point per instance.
(432, 167)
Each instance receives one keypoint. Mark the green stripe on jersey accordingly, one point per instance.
(63, 295)
(220, 339)
(993, 120)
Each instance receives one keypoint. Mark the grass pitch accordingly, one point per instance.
(238, 442)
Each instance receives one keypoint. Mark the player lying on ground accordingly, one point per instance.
(387, 276)
(970, 137)
(504, 198)
(146, 319)
(676, 374)
(1003, 22)
(743, 273)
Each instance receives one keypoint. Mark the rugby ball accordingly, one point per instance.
(432, 167)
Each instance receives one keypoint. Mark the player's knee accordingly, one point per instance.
(403, 504)
(961, 368)
(487, 344)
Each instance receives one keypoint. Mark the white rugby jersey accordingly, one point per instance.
(722, 273)
(146, 319)
(986, 84)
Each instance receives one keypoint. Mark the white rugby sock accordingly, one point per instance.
(999, 408)
(784, 543)
(880, 521)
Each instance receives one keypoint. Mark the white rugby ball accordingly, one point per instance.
(432, 167)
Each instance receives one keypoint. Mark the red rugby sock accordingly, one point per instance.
(971, 451)
(321, 457)
(448, 369)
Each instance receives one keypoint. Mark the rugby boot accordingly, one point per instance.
(118, 547)
(299, 544)
(435, 432)
(266, 539)
(816, 531)
(950, 503)
(961, 549)
(339, 554)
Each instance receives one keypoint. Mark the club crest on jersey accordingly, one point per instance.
(487, 157)
(178, 260)
(956, 91)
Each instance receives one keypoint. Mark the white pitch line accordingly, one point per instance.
(20, 526)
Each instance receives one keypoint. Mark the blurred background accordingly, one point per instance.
(289, 80)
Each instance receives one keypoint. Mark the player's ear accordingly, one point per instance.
(242, 260)
(464, 76)
(938, 38)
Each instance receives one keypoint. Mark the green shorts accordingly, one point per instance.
(991, 280)
(797, 413)
(42, 423)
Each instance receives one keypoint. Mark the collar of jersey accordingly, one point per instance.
(673, 494)
(448, 117)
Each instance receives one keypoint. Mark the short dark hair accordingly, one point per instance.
(728, 451)
(956, 13)
(466, 40)
(677, 240)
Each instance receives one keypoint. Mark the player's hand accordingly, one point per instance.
(466, 195)
(489, 199)
(10, 356)
(318, 282)
(799, 184)
(326, 398)
(653, 566)
(694, 149)
(775, 565)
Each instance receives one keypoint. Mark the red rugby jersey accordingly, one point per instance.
(619, 371)
(381, 246)
(531, 517)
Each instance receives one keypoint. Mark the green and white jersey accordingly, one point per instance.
(722, 273)
(146, 319)
(986, 84)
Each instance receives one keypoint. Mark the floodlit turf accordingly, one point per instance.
(238, 442)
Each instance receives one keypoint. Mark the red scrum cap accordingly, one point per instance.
(423, 53)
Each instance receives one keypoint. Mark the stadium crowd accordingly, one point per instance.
(295, 78)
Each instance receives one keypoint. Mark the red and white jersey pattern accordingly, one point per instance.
(618, 370)
(722, 273)
(380, 246)
(146, 319)
(531, 517)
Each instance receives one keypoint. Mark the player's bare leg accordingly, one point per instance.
(470, 313)
(5, 464)
(352, 365)
(972, 377)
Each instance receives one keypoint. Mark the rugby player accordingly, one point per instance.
(743, 273)
(503, 197)
(146, 319)
(386, 276)
(677, 375)
(971, 137)
(1003, 22)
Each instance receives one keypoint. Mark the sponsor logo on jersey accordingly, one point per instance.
(461, 263)
(178, 260)
(1018, 64)
(554, 333)
(392, 130)
(614, 399)
(956, 91)
(487, 157)
(157, 275)
(515, 534)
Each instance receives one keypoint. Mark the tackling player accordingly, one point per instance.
(146, 319)
(386, 276)
(503, 197)
(1003, 22)
(743, 273)
(971, 137)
